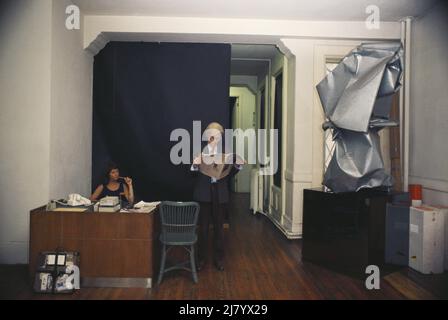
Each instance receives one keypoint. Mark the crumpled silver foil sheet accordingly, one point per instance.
(357, 98)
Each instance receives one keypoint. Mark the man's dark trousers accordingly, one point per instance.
(215, 211)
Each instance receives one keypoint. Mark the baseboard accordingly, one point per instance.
(91, 282)
(288, 234)
(14, 252)
(430, 184)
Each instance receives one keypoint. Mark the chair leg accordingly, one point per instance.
(162, 265)
(193, 265)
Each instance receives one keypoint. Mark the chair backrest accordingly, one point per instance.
(179, 217)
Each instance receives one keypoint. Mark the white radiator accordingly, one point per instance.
(256, 190)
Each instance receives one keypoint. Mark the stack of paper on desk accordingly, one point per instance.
(141, 210)
(142, 204)
(70, 209)
(143, 207)
(109, 208)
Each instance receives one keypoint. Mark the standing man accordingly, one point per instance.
(213, 196)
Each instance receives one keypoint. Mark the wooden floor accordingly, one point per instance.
(260, 264)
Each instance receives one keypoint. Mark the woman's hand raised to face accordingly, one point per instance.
(128, 181)
(197, 160)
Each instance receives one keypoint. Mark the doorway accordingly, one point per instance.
(253, 67)
(243, 116)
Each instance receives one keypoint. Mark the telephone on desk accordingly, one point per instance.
(74, 200)
(78, 200)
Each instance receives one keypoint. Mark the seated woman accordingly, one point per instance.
(116, 186)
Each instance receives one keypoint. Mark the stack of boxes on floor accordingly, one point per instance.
(417, 233)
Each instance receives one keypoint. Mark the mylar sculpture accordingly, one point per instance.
(357, 99)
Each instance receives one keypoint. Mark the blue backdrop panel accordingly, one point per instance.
(143, 91)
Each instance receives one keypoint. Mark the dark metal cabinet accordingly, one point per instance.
(344, 231)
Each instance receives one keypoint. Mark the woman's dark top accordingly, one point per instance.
(107, 192)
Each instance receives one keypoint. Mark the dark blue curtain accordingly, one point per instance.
(143, 91)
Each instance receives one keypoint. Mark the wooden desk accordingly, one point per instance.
(116, 249)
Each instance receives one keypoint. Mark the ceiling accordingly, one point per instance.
(249, 68)
(252, 59)
(254, 51)
(319, 10)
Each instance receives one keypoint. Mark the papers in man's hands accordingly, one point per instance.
(219, 166)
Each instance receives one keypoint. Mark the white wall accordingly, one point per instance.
(45, 119)
(71, 109)
(429, 105)
(25, 71)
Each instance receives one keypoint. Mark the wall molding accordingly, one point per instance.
(430, 184)
(188, 29)
(100, 42)
(298, 177)
(288, 224)
(14, 252)
(288, 234)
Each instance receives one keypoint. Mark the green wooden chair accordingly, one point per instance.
(178, 228)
